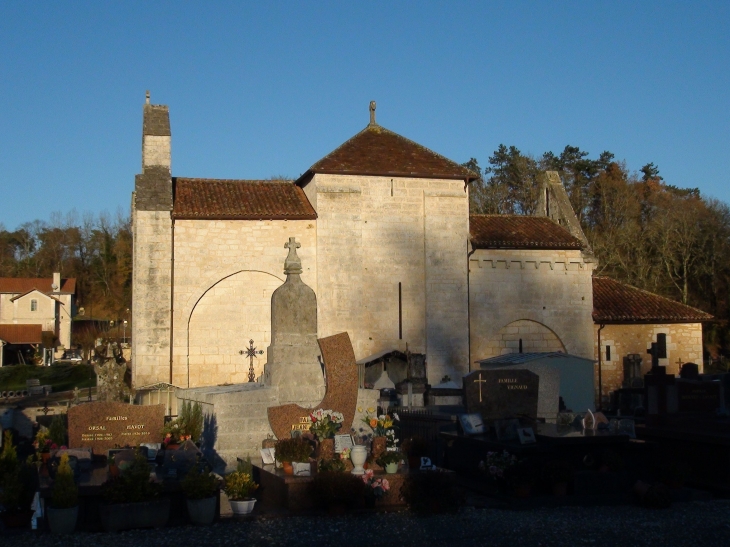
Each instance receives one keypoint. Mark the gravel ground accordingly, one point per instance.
(705, 524)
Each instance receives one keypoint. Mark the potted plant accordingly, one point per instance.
(187, 426)
(201, 488)
(239, 486)
(390, 460)
(289, 451)
(133, 500)
(64, 508)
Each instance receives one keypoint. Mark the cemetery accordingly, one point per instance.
(334, 436)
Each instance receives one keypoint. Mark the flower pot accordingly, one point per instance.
(202, 511)
(62, 521)
(358, 455)
(242, 507)
(391, 468)
(113, 471)
(126, 516)
(45, 456)
(288, 468)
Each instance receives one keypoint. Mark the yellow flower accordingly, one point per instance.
(371, 409)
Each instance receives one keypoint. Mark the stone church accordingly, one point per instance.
(387, 245)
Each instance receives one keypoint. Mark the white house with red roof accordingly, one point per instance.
(30, 306)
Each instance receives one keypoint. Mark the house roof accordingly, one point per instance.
(519, 232)
(616, 302)
(240, 200)
(522, 358)
(21, 334)
(22, 285)
(18, 296)
(378, 151)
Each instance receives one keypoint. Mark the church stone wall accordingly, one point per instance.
(225, 273)
(684, 343)
(376, 232)
(552, 288)
(151, 297)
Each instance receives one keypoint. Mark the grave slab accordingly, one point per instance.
(101, 426)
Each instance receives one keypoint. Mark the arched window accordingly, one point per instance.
(34, 305)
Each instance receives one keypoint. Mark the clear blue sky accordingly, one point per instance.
(265, 88)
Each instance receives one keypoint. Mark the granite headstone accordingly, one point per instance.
(502, 393)
(102, 425)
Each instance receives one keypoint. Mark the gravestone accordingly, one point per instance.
(502, 393)
(101, 425)
(699, 396)
(292, 360)
(341, 395)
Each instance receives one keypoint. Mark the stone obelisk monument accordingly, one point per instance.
(292, 360)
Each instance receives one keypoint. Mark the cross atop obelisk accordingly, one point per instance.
(292, 264)
(372, 113)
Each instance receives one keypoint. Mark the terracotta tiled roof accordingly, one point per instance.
(240, 200)
(519, 232)
(615, 302)
(21, 334)
(21, 285)
(377, 151)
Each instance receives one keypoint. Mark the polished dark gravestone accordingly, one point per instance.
(502, 393)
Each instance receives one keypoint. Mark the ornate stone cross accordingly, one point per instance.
(480, 382)
(251, 352)
(292, 264)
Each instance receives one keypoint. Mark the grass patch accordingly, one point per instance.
(61, 377)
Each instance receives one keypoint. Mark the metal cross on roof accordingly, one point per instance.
(251, 352)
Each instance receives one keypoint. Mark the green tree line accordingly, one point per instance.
(94, 249)
(645, 232)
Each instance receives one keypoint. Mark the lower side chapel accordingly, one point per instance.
(382, 235)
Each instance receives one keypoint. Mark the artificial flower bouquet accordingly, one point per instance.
(325, 423)
(377, 486)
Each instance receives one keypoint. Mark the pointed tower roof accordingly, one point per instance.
(377, 151)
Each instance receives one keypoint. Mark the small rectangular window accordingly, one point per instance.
(34, 305)
(608, 353)
(661, 340)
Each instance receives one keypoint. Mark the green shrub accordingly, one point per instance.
(239, 486)
(133, 484)
(57, 431)
(65, 493)
(389, 457)
(199, 484)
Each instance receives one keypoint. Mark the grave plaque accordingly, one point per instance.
(502, 393)
(101, 426)
(698, 396)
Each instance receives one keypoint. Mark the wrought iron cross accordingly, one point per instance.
(480, 382)
(251, 352)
